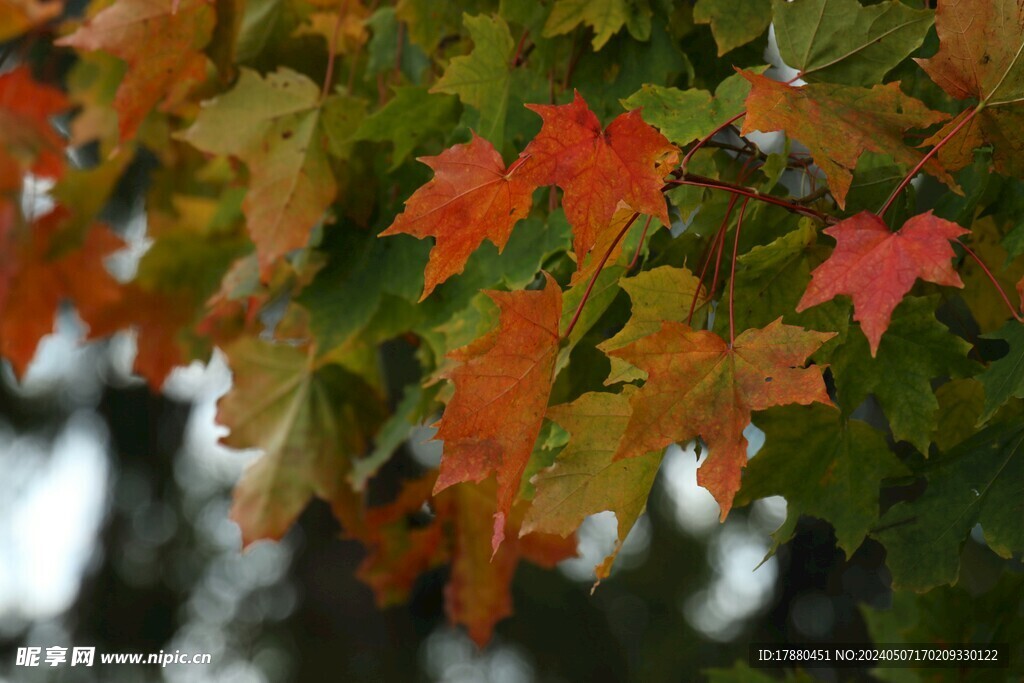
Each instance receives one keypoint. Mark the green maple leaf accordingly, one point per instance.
(844, 42)
(412, 115)
(825, 465)
(1004, 378)
(658, 295)
(361, 273)
(770, 280)
(584, 479)
(273, 125)
(960, 403)
(978, 482)
(684, 116)
(915, 349)
(483, 78)
(733, 22)
(606, 17)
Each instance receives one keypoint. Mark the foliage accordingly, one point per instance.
(289, 226)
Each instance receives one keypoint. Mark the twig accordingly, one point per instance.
(707, 138)
(732, 273)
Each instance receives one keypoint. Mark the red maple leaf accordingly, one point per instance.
(698, 386)
(502, 385)
(41, 283)
(28, 142)
(877, 267)
(472, 197)
(597, 169)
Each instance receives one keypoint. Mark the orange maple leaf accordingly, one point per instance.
(41, 283)
(157, 318)
(698, 386)
(160, 40)
(478, 593)
(502, 385)
(980, 45)
(597, 169)
(877, 267)
(28, 142)
(472, 197)
(838, 123)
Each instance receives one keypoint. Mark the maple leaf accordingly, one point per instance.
(156, 318)
(606, 17)
(310, 420)
(843, 41)
(1003, 378)
(980, 45)
(698, 386)
(733, 22)
(273, 125)
(585, 478)
(28, 141)
(483, 77)
(41, 283)
(408, 118)
(838, 123)
(704, 113)
(917, 348)
(502, 384)
(771, 278)
(657, 295)
(597, 169)
(161, 41)
(472, 197)
(877, 267)
(978, 482)
(961, 402)
(478, 593)
(825, 466)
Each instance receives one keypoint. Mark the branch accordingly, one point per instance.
(707, 139)
(701, 181)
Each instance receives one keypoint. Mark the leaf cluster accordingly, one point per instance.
(597, 227)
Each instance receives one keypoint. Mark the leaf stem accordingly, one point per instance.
(717, 246)
(519, 49)
(640, 244)
(932, 152)
(995, 283)
(714, 251)
(593, 278)
(707, 138)
(700, 181)
(332, 54)
(732, 273)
